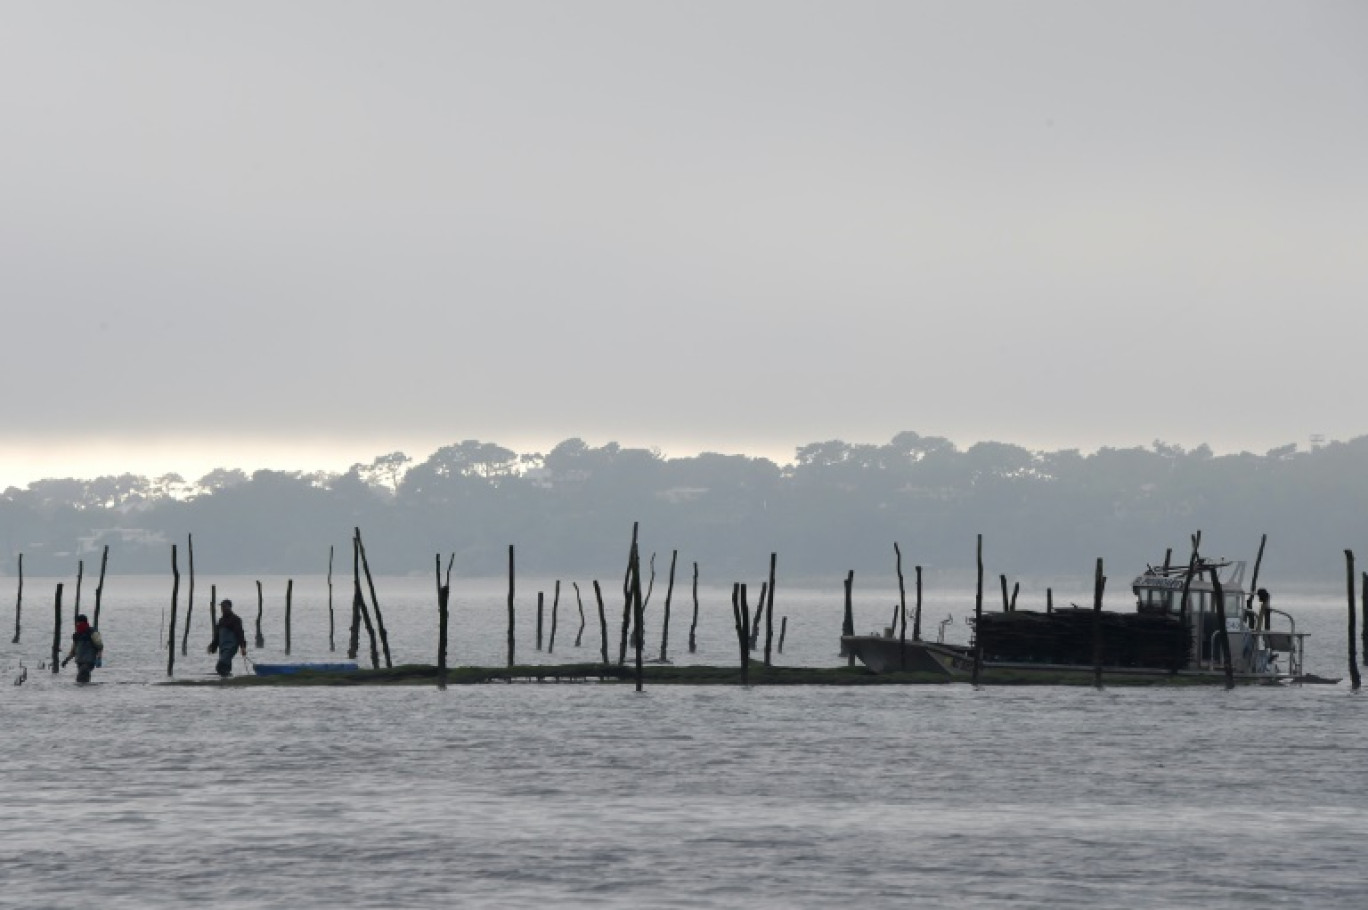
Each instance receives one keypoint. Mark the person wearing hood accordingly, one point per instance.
(86, 649)
(229, 639)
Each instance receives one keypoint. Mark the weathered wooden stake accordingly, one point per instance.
(443, 601)
(19, 603)
(190, 595)
(916, 617)
(99, 588)
(332, 622)
(693, 626)
(627, 598)
(758, 615)
(359, 602)
(555, 609)
(541, 598)
(1098, 582)
(261, 609)
(639, 636)
(741, 621)
(354, 642)
(769, 610)
(603, 622)
(848, 625)
(57, 630)
(80, 577)
(375, 601)
(1006, 604)
(669, 595)
(512, 618)
(1049, 601)
(579, 636)
(1354, 681)
(1222, 635)
(289, 601)
(1254, 579)
(978, 616)
(783, 630)
(902, 608)
(175, 602)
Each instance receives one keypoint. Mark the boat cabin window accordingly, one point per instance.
(1156, 600)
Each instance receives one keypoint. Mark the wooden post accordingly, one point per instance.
(916, 616)
(1049, 601)
(639, 636)
(1254, 579)
(289, 601)
(769, 610)
(512, 618)
(1354, 681)
(669, 596)
(555, 610)
(579, 601)
(1098, 582)
(693, 627)
(1222, 635)
(1364, 604)
(213, 610)
(627, 599)
(80, 577)
(541, 598)
(261, 608)
(359, 602)
(175, 599)
(1183, 609)
(758, 615)
(354, 641)
(1016, 589)
(978, 616)
(99, 588)
(848, 626)
(783, 630)
(443, 601)
(603, 622)
(332, 623)
(902, 608)
(57, 630)
(375, 601)
(741, 619)
(1006, 605)
(19, 603)
(190, 595)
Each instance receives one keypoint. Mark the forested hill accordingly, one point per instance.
(837, 507)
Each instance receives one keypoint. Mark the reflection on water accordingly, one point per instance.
(131, 794)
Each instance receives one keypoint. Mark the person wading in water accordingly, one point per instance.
(229, 639)
(86, 648)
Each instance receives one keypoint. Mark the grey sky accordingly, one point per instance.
(303, 234)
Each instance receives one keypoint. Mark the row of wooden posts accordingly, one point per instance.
(747, 627)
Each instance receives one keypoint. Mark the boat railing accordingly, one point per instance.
(1293, 644)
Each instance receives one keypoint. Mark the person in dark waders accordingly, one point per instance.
(229, 639)
(86, 649)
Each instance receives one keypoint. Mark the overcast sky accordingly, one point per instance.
(303, 234)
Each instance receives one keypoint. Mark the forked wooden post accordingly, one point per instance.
(375, 601)
(579, 636)
(902, 608)
(848, 626)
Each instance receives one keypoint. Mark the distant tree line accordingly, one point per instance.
(838, 506)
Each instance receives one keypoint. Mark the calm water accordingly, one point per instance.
(141, 795)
